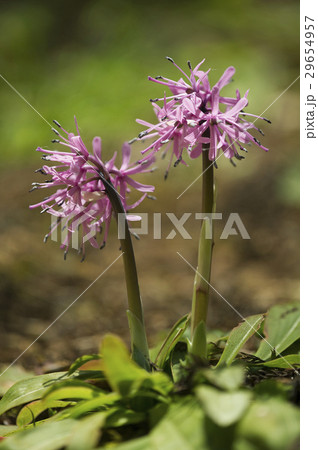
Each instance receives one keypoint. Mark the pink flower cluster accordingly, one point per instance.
(80, 198)
(196, 117)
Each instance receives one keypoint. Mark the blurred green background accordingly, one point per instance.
(91, 59)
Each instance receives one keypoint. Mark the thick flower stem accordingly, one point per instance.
(140, 351)
(202, 278)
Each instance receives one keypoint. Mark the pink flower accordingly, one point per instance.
(80, 198)
(196, 116)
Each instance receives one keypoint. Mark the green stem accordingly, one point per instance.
(139, 343)
(202, 279)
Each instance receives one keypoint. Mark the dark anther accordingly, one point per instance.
(136, 236)
(55, 131)
(166, 174)
(215, 164)
(55, 141)
(165, 141)
(45, 209)
(151, 197)
(153, 100)
(170, 59)
(33, 188)
(159, 77)
(45, 238)
(56, 123)
(243, 149)
(83, 258)
(65, 255)
(189, 65)
(132, 141)
(163, 118)
(261, 131)
(142, 134)
(232, 162)
(40, 171)
(257, 141)
(177, 161)
(266, 120)
(45, 157)
(239, 157)
(103, 245)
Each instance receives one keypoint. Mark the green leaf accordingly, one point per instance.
(125, 376)
(183, 427)
(140, 349)
(269, 424)
(285, 362)
(79, 362)
(171, 340)
(239, 336)
(121, 372)
(29, 389)
(178, 357)
(11, 375)
(32, 410)
(86, 434)
(49, 436)
(199, 343)
(223, 408)
(88, 406)
(143, 443)
(228, 378)
(72, 390)
(281, 330)
(6, 430)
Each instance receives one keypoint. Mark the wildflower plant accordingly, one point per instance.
(196, 385)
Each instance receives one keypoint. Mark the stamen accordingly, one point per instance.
(57, 123)
(55, 131)
(170, 59)
(55, 141)
(177, 161)
(142, 134)
(40, 171)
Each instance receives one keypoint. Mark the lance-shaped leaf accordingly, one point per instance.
(281, 330)
(239, 336)
(171, 340)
